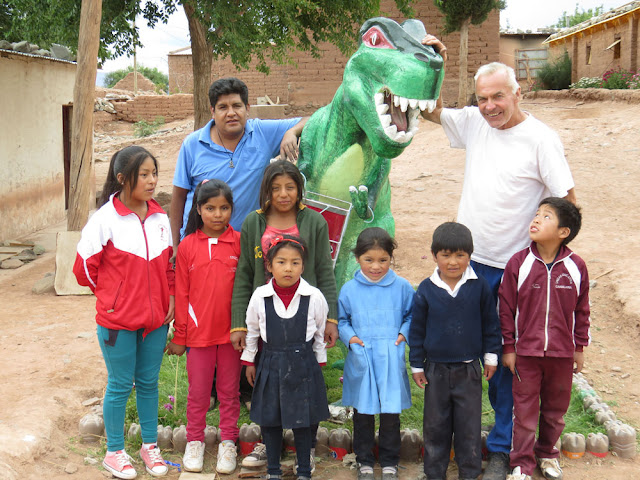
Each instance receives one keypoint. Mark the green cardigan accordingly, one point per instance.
(250, 274)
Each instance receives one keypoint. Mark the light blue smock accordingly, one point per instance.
(375, 376)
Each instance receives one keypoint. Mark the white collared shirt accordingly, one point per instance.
(257, 319)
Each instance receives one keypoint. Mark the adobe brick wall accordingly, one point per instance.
(144, 84)
(313, 82)
(148, 107)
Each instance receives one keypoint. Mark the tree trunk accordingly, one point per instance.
(463, 78)
(201, 55)
(82, 122)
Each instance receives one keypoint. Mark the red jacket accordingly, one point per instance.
(544, 312)
(205, 270)
(125, 262)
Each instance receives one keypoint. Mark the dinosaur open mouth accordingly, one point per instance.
(399, 115)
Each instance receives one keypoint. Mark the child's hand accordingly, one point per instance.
(578, 359)
(238, 340)
(489, 370)
(400, 339)
(171, 311)
(251, 374)
(175, 349)
(420, 379)
(355, 339)
(509, 361)
(330, 334)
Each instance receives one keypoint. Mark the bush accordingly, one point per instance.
(635, 81)
(617, 79)
(587, 82)
(142, 128)
(556, 75)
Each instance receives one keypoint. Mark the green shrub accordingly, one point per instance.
(617, 79)
(587, 82)
(556, 75)
(142, 128)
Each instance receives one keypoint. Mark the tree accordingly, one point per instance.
(578, 16)
(160, 79)
(458, 15)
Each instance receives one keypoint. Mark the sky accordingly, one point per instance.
(519, 14)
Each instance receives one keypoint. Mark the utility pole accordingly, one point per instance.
(82, 123)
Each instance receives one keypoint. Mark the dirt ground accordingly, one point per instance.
(53, 363)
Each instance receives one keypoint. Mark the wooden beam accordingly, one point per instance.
(82, 123)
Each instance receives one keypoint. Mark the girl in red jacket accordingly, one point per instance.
(205, 270)
(123, 256)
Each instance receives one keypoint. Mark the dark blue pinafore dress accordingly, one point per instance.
(289, 389)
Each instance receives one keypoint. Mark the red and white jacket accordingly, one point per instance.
(125, 262)
(544, 312)
(205, 270)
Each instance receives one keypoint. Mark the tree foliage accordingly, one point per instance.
(457, 11)
(160, 79)
(578, 16)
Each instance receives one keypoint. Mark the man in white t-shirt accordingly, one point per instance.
(512, 162)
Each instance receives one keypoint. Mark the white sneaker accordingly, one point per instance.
(257, 458)
(193, 458)
(550, 468)
(226, 457)
(518, 475)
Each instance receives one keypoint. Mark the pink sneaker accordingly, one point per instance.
(119, 465)
(153, 461)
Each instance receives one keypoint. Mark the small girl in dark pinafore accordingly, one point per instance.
(289, 391)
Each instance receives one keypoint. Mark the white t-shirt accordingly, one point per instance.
(507, 173)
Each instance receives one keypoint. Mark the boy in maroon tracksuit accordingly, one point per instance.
(544, 315)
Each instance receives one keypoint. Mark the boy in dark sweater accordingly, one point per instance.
(454, 324)
(544, 313)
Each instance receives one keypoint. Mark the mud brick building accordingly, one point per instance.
(313, 82)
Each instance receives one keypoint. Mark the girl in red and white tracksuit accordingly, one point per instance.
(205, 270)
(123, 256)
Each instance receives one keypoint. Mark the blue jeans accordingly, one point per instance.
(501, 384)
(130, 358)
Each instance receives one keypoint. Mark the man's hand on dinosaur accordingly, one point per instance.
(437, 45)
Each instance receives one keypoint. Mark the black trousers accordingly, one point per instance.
(364, 431)
(272, 437)
(452, 406)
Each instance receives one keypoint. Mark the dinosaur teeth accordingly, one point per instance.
(391, 131)
(413, 102)
(422, 104)
(382, 109)
(385, 120)
(404, 103)
(379, 98)
(396, 100)
(401, 137)
(431, 105)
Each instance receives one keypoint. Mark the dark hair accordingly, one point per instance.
(281, 241)
(204, 191)
(569, 215)
(374, 237)
(228, 86)
(452, 237)
(279, 167)
(126, 162)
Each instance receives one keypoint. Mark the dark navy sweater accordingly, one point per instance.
(445, 329)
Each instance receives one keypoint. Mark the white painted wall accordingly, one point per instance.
(32, 93)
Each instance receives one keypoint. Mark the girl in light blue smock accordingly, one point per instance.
(374, 313)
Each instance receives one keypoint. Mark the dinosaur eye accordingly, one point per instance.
(376, 39)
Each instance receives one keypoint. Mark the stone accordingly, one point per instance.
(42, 52)
(26, 255)
(90, 461)
(38, 249)
(11, 263)
(70, 468)
(616, 369)
(22, 47)
(4, 45)
(33, 48)
(61, 52)
(625, 375)
(592, 283)
(44, 285)
(91, 401)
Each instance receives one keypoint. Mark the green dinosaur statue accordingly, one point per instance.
(347, 146)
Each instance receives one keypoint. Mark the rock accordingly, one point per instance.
(90, 461)
(42, 52)
(44, 285)
(33, 48)
(91, 401)
(38, 249)
(61, 52)
(616, 369)
(625, 375)
(11, 263)
(70, 468)
(592, 283)
(419, 189)
(86, 334)
(4, 45)
(26, 255)
(22, 47)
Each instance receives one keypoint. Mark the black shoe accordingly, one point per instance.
(498, 467)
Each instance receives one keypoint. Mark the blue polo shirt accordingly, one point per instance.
(201, 158)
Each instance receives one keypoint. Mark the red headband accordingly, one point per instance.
(279, 238)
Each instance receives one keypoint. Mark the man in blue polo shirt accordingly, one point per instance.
(232, 148)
